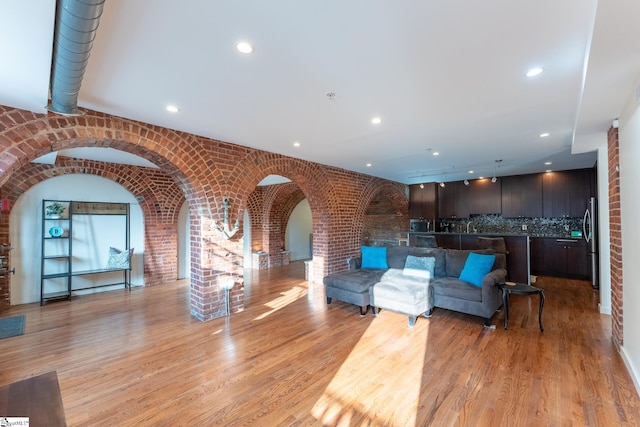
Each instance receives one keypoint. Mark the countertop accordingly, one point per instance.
(531, 235)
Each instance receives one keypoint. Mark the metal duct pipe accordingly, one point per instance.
(75, 29)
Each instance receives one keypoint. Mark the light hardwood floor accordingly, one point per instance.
(139, 358)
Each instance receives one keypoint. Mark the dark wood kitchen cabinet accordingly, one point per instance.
(536, 251)
(485, 196)
(565, 193)
(559, 257)
(453, 200)
(522, 196)
(423, 202)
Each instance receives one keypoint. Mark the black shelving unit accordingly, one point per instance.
(57, 273)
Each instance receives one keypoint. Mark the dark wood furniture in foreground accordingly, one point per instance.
(37, 398)
(520, 289)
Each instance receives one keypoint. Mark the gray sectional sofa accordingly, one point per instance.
(449, 292)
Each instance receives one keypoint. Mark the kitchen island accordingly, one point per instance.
(518, 257)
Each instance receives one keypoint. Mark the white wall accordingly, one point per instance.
(26, 226)
(604, 242)
(299, 227)
(629, 136)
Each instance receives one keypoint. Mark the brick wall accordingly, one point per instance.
(204, 172)
(615, 236)
(383, 222)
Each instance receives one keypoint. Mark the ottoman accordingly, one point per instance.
(403, 294)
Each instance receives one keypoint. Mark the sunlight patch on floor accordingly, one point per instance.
(355, 397)
(285, 299)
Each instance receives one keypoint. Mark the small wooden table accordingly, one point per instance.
(520, 289)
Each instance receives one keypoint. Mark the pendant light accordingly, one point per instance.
(495, 170)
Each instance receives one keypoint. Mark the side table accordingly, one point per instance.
(520, 289)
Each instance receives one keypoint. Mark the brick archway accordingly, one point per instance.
(205, 171)
(159, 197)
(269, 210)
(185, 158)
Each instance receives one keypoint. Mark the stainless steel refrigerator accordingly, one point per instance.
(590, 234)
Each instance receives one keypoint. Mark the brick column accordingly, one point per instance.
(615, 236)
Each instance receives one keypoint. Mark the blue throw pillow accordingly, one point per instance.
(374, 257)
(419, 266)
(476, 267)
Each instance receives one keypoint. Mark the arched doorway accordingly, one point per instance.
(25, 226)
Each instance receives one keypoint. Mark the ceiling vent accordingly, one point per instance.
(76, 25)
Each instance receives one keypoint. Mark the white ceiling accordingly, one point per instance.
(446, 76)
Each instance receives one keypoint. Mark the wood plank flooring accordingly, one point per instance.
(139, 358)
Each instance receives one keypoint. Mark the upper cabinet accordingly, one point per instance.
(551, 195)
(453, 200)
(423, 203)
(522, 196)
(485, 196)
(565, 193)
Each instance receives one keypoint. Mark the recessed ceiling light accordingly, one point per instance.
(534, 72)
(244, 47)
(548, 171)
(470, 171)
(547, 163)
(376, 120)
(435, 153)
(172, 109)
(369, 165)
(296, 144)
(544, 135)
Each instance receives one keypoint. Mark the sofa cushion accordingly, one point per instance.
(393, 285)
(357, 280)
(396, 256)
(456, 288)
(439, 254)
(455, 260)
(419, 266)
(374, 257)
(476, 267)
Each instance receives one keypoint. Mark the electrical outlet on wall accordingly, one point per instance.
(524, 227)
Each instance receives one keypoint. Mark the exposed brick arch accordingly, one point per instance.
(287, 206)
(305, 175)
(277, 209)
(26, 136)
(312, 179)
(254, 209)
(394, 192)
(188, 159)
(205, 171)
(159, 197)
(269, 210)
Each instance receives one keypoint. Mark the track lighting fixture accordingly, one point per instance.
(466, 182)
(421, 185)
(495, 170)
(442, 184)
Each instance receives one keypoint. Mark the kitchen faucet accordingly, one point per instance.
(468, 224)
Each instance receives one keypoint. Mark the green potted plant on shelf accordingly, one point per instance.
(54, 210)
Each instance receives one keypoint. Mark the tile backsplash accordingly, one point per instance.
(535, 227)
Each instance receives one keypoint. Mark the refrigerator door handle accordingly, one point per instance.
(586, 220)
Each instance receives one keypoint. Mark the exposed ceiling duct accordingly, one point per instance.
(75, 29)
